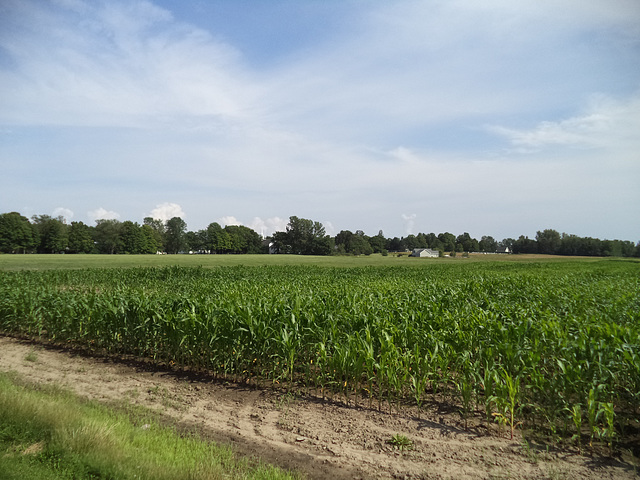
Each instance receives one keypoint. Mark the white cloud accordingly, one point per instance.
(102, 214)
(63, 212)
(264, 227)
(116, 64)
(407, 65)
(383, 115)
(607, 123)
(166, 211)
(230, 220)
(268, 226)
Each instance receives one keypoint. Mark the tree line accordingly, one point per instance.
(47, 234)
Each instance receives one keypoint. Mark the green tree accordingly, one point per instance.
(159, 229)
(411, 242)
(17, 234)
(468, 243)
(569, 244)
(216, 239)
(303, 237)
(80, 238)
(52, 232)
(395, 245)
(195, 241)
(343, 241)
(353, 243)
(132, 239)
(244, 239)
(176, 238)
(487, 244)
(106, 236)
(434, 242)
(422, 240)
(151, 242)
(280, 242)
(507, 243)
(549, 241)
(360, 244)
(237, 242)
(628, 248)
(448, 241)
(378, 243)
(525, 245)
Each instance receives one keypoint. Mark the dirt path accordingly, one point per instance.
(321, 439)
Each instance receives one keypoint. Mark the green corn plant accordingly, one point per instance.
(289, 349)
(502, 415)
(488, 384)
(465, 385)
(576, 417)
(267, 323)
(608, 431)
(593, 415)
(507, 401)
(418, 374)
(513, 386)
(369, 361)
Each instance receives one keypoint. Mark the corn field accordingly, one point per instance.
(547, 346)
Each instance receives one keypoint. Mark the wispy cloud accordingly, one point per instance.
(115, 64)
(607, 124)
(125, 103)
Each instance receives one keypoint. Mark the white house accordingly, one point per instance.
(503, 250)
(424, 252)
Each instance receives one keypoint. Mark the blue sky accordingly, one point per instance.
(494, 118)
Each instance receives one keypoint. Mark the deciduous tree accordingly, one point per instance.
(52, 232)
(488, 244)
(549, 241)
(17, 234)
(107, 236)
(80, 238)
(304, 237)
(176, 229)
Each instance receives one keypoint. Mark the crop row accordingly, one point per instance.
(550, 345)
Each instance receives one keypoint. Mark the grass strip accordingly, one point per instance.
(48, 433)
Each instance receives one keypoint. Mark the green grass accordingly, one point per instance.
(48, 433)
(48, 262)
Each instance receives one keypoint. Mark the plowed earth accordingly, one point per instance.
(320, 438)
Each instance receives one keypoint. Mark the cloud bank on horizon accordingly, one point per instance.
(494, 118)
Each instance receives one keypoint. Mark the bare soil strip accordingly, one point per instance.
(322, 439)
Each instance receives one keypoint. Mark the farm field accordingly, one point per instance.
(549, 347)
(49, 262)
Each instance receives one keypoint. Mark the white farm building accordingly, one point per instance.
(424, 253)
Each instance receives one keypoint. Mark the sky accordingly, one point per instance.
(494, 118)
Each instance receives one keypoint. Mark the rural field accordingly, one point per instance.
(538, 352)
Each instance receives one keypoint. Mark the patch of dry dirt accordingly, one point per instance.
(322, 439)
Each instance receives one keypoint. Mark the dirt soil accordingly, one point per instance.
(321, 439)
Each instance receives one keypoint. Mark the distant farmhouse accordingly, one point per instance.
(424, 253)
(503, 250)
